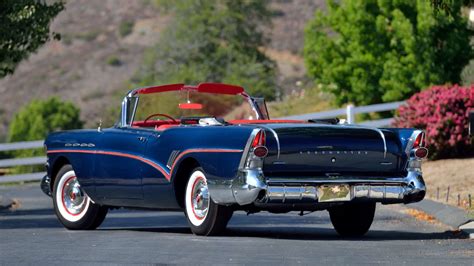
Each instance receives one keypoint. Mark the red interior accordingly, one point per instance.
(154, 123)
(165, 124)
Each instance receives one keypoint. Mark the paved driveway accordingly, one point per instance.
(32, 235)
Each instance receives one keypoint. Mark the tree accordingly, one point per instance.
(24, 27)
(35, 120)
(445, 4)
(369, 51)
(215, 41)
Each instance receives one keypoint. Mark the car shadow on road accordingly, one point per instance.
(314, 233)
(301, 233)
(269, 227)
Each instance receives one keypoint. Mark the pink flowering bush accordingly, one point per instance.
(442, 111)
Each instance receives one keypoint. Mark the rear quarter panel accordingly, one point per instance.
(217, 149)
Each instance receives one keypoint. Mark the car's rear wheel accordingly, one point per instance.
(353, 219)
(73, 207)
(204, 216)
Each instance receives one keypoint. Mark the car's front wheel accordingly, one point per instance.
(73, 207)
(204, 216)
(353, 219)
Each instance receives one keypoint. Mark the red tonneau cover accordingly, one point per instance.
(217, 88)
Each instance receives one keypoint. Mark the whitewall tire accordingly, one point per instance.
(204, 216)
(73, 207)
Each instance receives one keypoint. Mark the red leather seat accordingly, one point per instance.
(164, 127)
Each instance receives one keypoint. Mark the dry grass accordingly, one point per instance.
(301, 102)
(457, 174)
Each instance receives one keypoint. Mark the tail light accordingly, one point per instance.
(418, 149)
(260, 151)
(259, 139)
(258, 144)
(421, 153)
(419, 141)
(253, 159)
(417, 153)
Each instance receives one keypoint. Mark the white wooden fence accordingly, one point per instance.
(350, 111)
(22, 161)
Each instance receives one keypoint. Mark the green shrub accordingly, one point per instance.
(442, 111)
(114, 61)
(125, 28)
(35, 120)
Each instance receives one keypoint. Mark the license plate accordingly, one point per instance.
(330, 193)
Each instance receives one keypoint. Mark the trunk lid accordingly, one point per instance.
(332, 150)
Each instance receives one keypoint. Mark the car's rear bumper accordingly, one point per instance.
(251, 186)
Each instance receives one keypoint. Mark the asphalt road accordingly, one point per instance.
(32, 235)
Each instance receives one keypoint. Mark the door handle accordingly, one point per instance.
(142, 139)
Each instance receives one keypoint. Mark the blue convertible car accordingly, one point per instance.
(177, 147)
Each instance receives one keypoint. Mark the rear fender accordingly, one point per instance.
(407, 137)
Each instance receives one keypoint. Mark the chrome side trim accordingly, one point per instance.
(245, 153)
(172, 158)
(384, 141)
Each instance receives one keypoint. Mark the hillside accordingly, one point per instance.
(102, 47)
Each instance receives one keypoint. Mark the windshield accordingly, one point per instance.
(188, 103)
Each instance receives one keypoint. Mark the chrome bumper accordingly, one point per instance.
(46, 185)
(251, 186)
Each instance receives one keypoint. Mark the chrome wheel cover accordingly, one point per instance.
(200, 198)
(73, 198)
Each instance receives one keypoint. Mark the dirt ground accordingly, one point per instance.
(457, 174)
